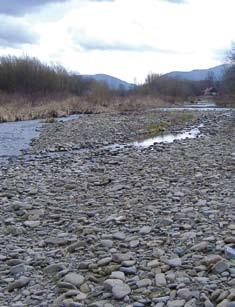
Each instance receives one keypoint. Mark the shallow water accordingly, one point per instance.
(16, 136)
(200, 106)
(169, 138)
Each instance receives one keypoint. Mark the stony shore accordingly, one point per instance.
(85, 225)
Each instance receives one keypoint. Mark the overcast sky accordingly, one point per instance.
(124, 38)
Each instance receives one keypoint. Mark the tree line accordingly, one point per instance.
(27, 75)
(228, 85)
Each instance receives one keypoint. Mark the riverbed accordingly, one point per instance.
(16, 137)
(85, 225)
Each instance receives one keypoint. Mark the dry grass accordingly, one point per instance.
(137, 103)
(225, 100)
(18, 107)
(23, 109)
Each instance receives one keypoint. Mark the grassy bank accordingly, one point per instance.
(173, 119)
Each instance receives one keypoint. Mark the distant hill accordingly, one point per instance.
(112, 82)
(199, 74)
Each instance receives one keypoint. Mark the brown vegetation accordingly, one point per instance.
(18, 107)
(227, 86)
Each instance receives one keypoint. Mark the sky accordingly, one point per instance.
(127, 39)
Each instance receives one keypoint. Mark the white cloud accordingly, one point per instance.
(130, 38)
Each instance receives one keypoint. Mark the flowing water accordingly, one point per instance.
(16, 136)
(169, 138)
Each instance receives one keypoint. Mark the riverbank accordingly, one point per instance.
(19, 107)
(84, 225)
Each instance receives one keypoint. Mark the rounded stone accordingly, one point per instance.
(120, 291)
(74, 278)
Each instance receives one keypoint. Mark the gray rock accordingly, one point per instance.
(107, 243)
(175, 262)
(18, 269)
(65, 285)
(119, 236)
(120, 291)
(145, 230)
(143, 283)
(129, 270)
(230, 252)
(154, 263)
(176, 303)
(118, 275)
(202, 246)
(20, 283)
(224, 303)
(118, 257)
(185, 294)
(110, 283)
(160, 280)
(32, 224)
(104, 261)
(220, 267)
(54, 268)
(74, 278)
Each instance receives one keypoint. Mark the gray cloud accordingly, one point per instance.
(92, 45)
(22, 7)
(102, 46)
(176, 1)
(14, 32)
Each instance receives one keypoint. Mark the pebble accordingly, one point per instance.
(143, 283)
(119, 236)
(32, 224)
(176, 303)
(119, 291)
(220, 267)
(20, 283)
(185, 294)
(200, 246)
(110, 283)
(145, 230)
(175, 262)
(160, 280)
(118, 275)
(74, 278)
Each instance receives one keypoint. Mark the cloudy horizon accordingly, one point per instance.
(124, 38)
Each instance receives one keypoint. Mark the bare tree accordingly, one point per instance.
(231, 54)
(228, 84)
